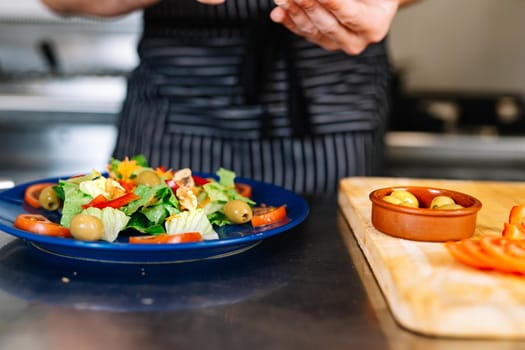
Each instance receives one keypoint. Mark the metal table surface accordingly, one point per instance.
(309, 288)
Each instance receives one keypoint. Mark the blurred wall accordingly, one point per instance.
(474, 45)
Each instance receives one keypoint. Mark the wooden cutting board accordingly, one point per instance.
(426, 289)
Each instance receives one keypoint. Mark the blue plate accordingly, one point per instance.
(234, 239)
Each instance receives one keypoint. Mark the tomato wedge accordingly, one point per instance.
(268, 215)
(37, 223)
(32, 193)
(166, 238)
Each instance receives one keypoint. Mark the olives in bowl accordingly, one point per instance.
(456, 220)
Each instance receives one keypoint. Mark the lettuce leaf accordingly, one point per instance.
(113, 219)
(159, 194)
(149, 212)
(191, 221)
(140, 223)
(226, 177)
(219, 195)
(74, 199)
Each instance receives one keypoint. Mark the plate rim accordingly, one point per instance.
(300, 206)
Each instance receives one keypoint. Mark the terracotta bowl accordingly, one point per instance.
(423, 223)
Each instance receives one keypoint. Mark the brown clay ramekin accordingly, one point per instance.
(423, 223)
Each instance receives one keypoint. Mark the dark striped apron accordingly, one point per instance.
(222, 86)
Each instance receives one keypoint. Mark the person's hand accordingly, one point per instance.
(211, 2)
(97, 8)
(347, 25)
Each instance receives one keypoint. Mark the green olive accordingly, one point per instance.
(407, 198)
(237, 211)
(439, 201)
(148, 178)
(48, 199)
(451, 206)
(392, 199)
(86, 227)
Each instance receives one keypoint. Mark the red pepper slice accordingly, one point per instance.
(128, 185)
(172, 184)
(114, 203)
(199, 181)
(98, 200)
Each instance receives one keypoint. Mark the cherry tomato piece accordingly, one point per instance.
(165, 238)
(37, 223)
(32, 193)
(268, 215)
(244, 190)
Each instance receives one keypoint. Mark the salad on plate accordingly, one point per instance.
(150, 205)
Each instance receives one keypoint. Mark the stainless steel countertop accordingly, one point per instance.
(455, 156)
(308, 288)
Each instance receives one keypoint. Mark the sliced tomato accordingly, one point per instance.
(512, 231)
(186, 237)
(37, 223)
(114, 203)
(153, 239)
(496, 253)
(517, 248)
(461, 254)
(243, 189)
(165, 238)
(32, 193)
(268, 215)
(476, 250)
(517, 216)
(496, 246)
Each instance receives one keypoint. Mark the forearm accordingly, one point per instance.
(99, 8)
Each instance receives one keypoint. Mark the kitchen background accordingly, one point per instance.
(459, 90)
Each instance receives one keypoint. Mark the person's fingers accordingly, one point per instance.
(371, 21)
(328, 25)
(301, 20)
(279, 15)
